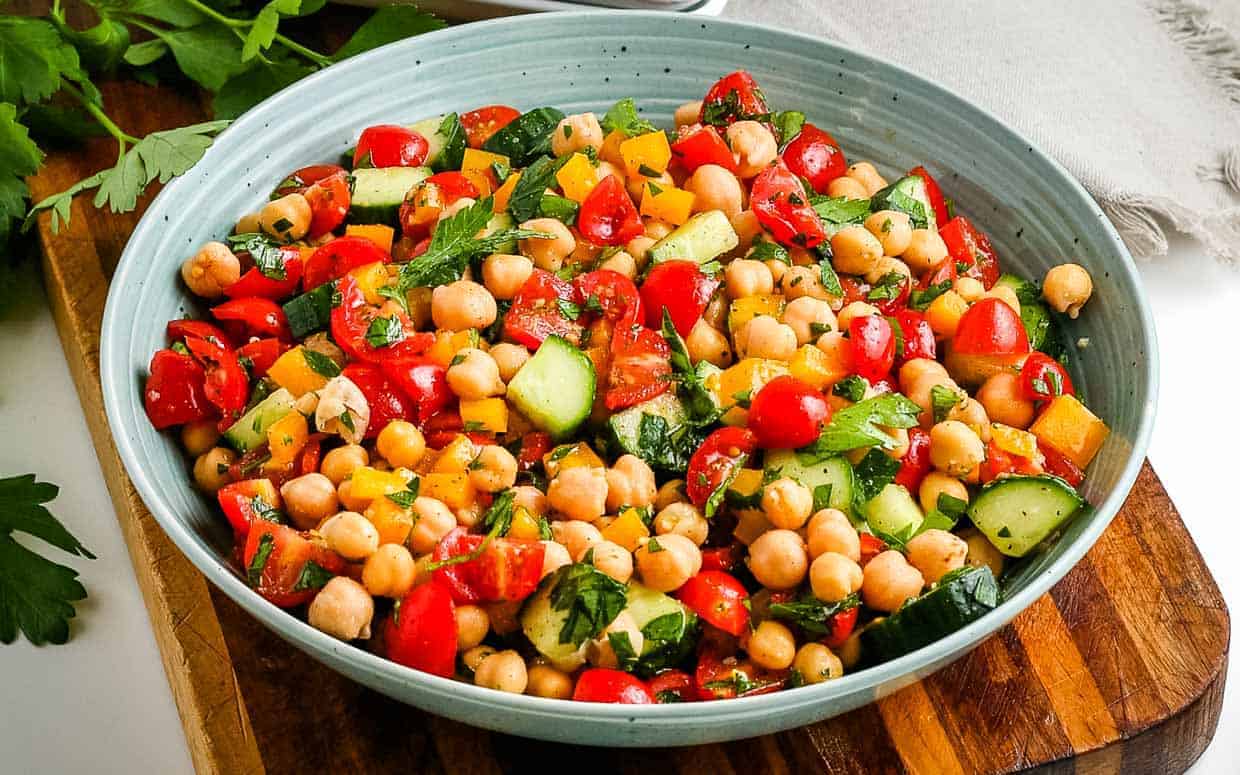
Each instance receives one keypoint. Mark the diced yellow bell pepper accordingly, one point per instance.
(370, 483)
(750, 523)
(292, 372)
(747, 482)
(524, 525)
(485, 414)
(1072, 429)
(577, 178)
(744, 310)
(456, 457)
(570, 456)
(811, 366)
(668, 203)
(287, 436)
(499, 203)
(1014, 440)
(650, 151)
(378, 233)
(610, 152)
(626, 530)
(455, 490)
(419, 301)
(449, 343)
(476, 166)
(306, 252)
(370, 278)
(391, 520)
(745, 376)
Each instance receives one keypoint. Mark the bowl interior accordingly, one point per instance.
(1036, 215)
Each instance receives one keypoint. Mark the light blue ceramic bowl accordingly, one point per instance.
(1036, 214)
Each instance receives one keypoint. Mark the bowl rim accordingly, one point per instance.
(117, 381)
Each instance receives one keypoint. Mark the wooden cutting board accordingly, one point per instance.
(1119, 669)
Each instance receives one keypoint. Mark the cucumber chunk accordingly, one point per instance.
(429, 128)
(702, 238)
(555, 388)
(1017, 513)
(960, 597)
(499, 222)
(542, 624)
(907, 195)
(525, 137)
(251, 430)
(668, 628)
(893, 511)
(445, 139)
(625, 425)
(378, 193)
(835, 472)
(311, 311)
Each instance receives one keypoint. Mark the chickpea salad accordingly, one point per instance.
(578, 407)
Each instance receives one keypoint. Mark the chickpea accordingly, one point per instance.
(344, 492)
(707, 343)
(971, 412)
(340, 463)
(309, 499)
(247, 224)
(798, 281)
(915, 368)
(389, 572)
(432, 520)
(852, 311)
(855, 250)
(199, 437)
(893, 229)
(885, 266)
(472, 625)
(688, 113)
(509, 358)
(639, 248)
(766, 337)
(672, 491)
(342, 609)
(212, 269)
(715, 188)
(830, 530)
(350, 535)
(401, 444)
(937, 483)
(745, 277)
(554, 557)
(211, 469)
(888, 580)
(754, 147)
(579, 493)
(546, 681)
(850, 652)
(474, 374)
(935, 553)
(955, 448)
(838, 349)
(600, 651)
(666, 562)
(505, 273)
(287, 218)
(462, 305)
(834, 577)
(576, 536)
(550, 253)
(630, 482)
(771, 645)
(622, 263)
(1067, 287)
(944, 314)
(504, 671)
(494, 470)
(655, 228)
(865, 174)
(530, 498)
(1001, 397)
(809, 318)
(473, 658)
(981, 551)
(817, 663)
(849, 188)
(787, 503)
(682, 519)
(576, 133)
(778, 560)
(456, 207)
(969, 288)
(925, 250)
(1005, 295)
(746, 225)
(610, 558)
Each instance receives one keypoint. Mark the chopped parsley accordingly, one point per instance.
(267, 254)
(406, 497)
(385, 331)
(858, 426)
(592, 599)
(812, 614)
(623, 118)
(852, 387)
(920, 298)
(888, 288)
(254, 573)
(568, 309)
(313, 576)
(320, 363)
(765, 250)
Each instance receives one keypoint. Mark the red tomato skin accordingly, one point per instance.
(301, 179)
(711, 668)
(943, 272)
(816, 156)
(237, 502)
(599, 684)
(750, 99)
(329, 200)
(721, 557)
(873, 346)
(481, 123)
(178, 330)
(718, 598)
(351, 319)
(535, 313)
(640, 367)
(226, 385)
(786, 413)
(970, 247)
(1038, 367)
(508, 569)
(387, 401)
(675, 682)
(260, 317)
(262, 353)
(615, 293)
(990, 327)
(533, 446)
(842, 626)
(421, 633)
(608, 216)
(778, 200)
(916, 462)
(919, 339)
(892, 306)
(175, 391)
(1057, 464)
(337, 257)
(871, 547)
(999, 461)
(255, 283)
(935, 194)
(714, 460)
(423, 382)
(681, 288)
(698, 145)
(390, 145)
(311, 454)
(288, 557)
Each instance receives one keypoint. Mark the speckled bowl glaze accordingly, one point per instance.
(1034, 211)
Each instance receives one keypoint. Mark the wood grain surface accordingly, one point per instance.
(1119, 669)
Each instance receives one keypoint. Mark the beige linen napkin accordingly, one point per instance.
(1139, 100)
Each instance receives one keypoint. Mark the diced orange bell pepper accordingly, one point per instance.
(370, 483)
(524, 525)
(667, 203)
(1072, 429)
(626, 530)
(499, 203)
(610, 152)
(476, 166)
(645, 154)
(287, 436)
(746, 309)
(485, 414)
(378, 233)
(449, 343)
(811, 366)
(370, 278)
(292, 372)
(455, 490)
(391, 520)
(577, 178)
(456, 457)
(1014, 440)
(570, 456)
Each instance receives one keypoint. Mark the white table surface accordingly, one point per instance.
(101, 703)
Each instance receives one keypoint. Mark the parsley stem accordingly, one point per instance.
(237, 24)
(97, 113)
(312, 55)
(210, 12)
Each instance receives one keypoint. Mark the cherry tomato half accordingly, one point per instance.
(507, 569)
(537, 313)
(681, 288)
(990, 327)
(970, 247)
(480, 124)
(598, 684)
(261, 353)
(351, 321)
(255, 283)
(873, 344)
(421, 632)
(179, 330)
(287, 551)
(786, 413)
(420, 210)
(1042, 378)
(226, 384)
(721, 557)
(238, 502)
(748, 100)
(610, 293)
(778, 200)
(916, 462)
(715, 460)
(607, 216)
(423, 382)
(390, 145)
(871, 547)
(697, 145)
(337, 257)
(640, 366)
(719, 678)
(301, 179)
(387, 401)
(673, 686)
(260, 317)
(175, 392)
(329, 201)
(935, 194)
(841, 626)
(1058, 464)
(918, 336)
(718, 598)
(814, 155)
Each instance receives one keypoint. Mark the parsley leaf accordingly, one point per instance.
(920, 298)
(499, 516)
(531, 187)
(385, 331)
(811, 614)
(715, 500)
(822, 497)
(787, 125)
(830, 280)
(33, 58)
(407, 496)
(320, 363)
(765, 250)
(36, 594)
(851, 387)
(312, 576)
(560, 208)
(254, 573)
(840, 210)
(857, 426)
(568, 309)
(19, 157)
(888, 288)
(942, 400)
(388, 25)
(623, 118)
(874, 472)
(452, 153)
(592, 598)
(698, 400)
(266, 252)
